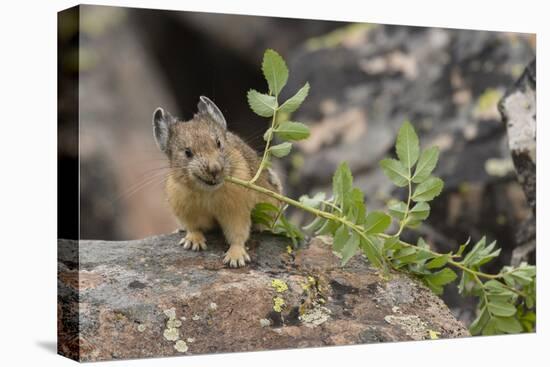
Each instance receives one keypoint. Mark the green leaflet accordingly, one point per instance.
(296, 100)
(437, 262)
(463, 247)
(442, 277)
(356, 206)
(376, 222)
(476, 327)
(509, 325)
(407, 145)
(501, 308)
(350, 248)
(262, 104)
(420, 211)
(395, 171)
(397, 210)
(426, 164)
(341, 237)
(341, 185)
(281, 150)
(428, 189)
(372, 251)
(275, 71)
(289, 130)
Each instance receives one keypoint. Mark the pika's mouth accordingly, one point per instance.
(209, 184)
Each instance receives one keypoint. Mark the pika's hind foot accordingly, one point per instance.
(236, 256)
(193, 240)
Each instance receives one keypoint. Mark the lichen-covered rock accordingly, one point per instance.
(150, 297)
(519, 112)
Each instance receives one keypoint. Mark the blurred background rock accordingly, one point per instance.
(366, 79)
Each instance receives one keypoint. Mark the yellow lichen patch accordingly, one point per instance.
(279, 285)
(181, 346)
(310, 283)
(434, 334)
(289, 249)
(278, 304)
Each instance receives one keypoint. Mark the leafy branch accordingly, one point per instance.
(267, 105)
(506, 299)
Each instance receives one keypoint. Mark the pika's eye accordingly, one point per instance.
(218, 143)
(188, 153)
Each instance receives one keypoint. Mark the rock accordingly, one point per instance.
(149, 297)
(120, 85)
(447, 82)
(519, 112)
(249, 36)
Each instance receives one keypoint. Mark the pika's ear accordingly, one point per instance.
(162, 120)
(209, 108)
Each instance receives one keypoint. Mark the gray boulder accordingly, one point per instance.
(150, 298)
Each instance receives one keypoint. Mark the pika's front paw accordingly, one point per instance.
(194, 241)
(236, 256)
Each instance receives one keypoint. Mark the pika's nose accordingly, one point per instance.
(215, 170)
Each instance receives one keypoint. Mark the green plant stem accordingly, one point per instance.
(358, 229)
(265, 157)
(405, 216)
(319, 213)
(279, 213)
(485, 298)
(331, 205)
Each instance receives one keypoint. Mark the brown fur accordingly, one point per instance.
(199, 208)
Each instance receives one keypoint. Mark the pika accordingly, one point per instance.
(201, 153)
